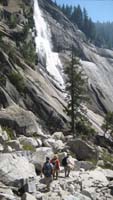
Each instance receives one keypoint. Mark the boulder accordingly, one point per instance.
(27, 196)
(6, 193)
(84, 165)
(57, 145)
(3, 136)
(1, 148)
(15, 170)
(15, 144)
(7, 196)
(7, 149)
(58, 136)
(108, 173)
(39, 141)
(83, 150)
(100, 163)
(29, 142)
(39, 157)
(20, 120)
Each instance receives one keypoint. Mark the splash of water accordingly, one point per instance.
(44, 47)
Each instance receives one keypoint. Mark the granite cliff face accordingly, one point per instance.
(97, 62)
(42, 95)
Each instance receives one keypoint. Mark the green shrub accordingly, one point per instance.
(28, 147)
(9, 132)
(108, 160)
(12, 21)
(17, 80)
(2, 80)
(84, 129)
(28, 51)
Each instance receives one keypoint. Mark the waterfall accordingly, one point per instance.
(44, 45)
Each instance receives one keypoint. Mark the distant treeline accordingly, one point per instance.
(101, 34)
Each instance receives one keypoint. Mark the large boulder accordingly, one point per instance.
(39, 157)
(24, 122)
(55, 144)
(6, 193)
(28, 142)
(83, 150)
(84, 165)
(15, 170)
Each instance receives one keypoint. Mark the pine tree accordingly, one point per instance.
(76, 90)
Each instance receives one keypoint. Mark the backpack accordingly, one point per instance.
(64, 161)
(47, 169)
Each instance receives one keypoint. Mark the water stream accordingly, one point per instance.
(44, 46)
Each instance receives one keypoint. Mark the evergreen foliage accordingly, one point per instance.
(28, 51)
(101, 34)
(80, 17)
(76, 91)
(104, 35)
(17, 80)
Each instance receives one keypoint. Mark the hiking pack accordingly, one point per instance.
(47, 169)
(64, 161)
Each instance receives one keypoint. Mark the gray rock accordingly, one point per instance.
(58, 136)
(24, 122)
(7, 196)
(15, 144)
(39, 157)
(83, 150)
(28, 196)
(100, 163)
(39, 141)
(6, 193)
(77, 196)
(7, 149)
(1, 148)
(15, 170)
(84, 165)
(3, 136)
(28, 141)
(55, 144)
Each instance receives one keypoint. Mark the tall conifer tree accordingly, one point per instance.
(76, 90)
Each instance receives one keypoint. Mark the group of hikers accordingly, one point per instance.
(51, 168)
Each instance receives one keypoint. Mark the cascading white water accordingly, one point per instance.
(44, 47)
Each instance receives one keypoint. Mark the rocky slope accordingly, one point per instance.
(32, 108)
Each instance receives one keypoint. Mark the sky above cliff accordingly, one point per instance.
(98, 10)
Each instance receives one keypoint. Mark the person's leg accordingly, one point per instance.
(54, 172)
(65, 170)
(49, 180)
(68, 171)
(57, 173)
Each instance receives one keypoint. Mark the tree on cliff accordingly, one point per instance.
(76, 90)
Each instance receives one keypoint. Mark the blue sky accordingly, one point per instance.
(98, 10)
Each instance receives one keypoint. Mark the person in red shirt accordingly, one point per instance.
(56, 166)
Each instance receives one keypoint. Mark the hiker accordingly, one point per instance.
(47, 170)
(67, 164)
(56, 166)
